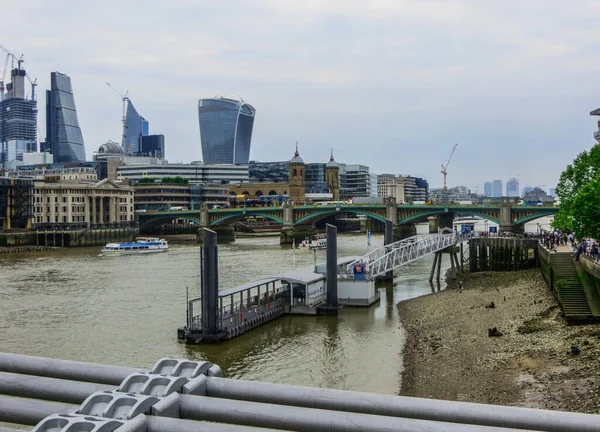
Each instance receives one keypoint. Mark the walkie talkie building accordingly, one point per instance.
(225, 130)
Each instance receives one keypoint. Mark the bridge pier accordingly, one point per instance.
(446, 220)
(388, 238)
(225, 234)
(299, 233)
(404, 231)
(434, 224)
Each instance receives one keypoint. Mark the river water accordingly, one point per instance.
(73, 304)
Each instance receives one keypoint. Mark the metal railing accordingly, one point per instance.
(385, 258)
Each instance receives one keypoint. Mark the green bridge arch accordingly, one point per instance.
(322, 214)
(535, 216)
(156, 219)
(416, 217)
(236, 215)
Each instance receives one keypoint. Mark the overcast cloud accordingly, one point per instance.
(391, 84)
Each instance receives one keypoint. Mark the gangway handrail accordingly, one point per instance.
(388, 257)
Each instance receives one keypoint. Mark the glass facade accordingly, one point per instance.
(152, 145)
(136, 127)
(18, 121)
(269, 171)
(315, 178)
(225, 130)
(64, 133)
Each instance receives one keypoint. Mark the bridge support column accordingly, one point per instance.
(298, 233)
(404, 231)
(434, 224)
(225, 234)
(446, 220)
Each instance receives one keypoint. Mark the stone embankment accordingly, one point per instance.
(26, 249)
(532, 359)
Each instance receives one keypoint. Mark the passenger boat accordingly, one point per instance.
(141, 245)
(318, 241)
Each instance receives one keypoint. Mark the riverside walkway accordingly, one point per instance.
(180, 395)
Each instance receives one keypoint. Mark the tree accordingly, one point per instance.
(146, 181)
(581, 178)
(174, 181)
(586, 204)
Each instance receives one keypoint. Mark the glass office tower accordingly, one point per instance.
(136, 127)
(63, 131)
(225, 130)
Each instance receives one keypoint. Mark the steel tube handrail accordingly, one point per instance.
(30, 411)
(231, 411)
(65, 369)
(277, 396)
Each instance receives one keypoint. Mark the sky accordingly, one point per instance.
(392, 84)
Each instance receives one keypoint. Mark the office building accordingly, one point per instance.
(152, 145)
(269, 171)
(18, 120)
(135, 128)
(512, 187)
(195, 172)
(496, 188)
(405, 189)
(160, 197)
(82, 202)
(357, 181)
(225, 130)
(487, 189)
(63, 134)
(16, 203)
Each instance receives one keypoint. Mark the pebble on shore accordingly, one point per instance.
(450, 352)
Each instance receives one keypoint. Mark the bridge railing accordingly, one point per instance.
(411, 252)
(388, 257)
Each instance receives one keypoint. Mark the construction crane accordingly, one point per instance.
(444, 167)
(4, 77)
(19, 60)
(125, 99)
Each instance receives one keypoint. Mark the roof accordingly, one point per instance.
(342, 261)
(303, 275)
(244, 287)
(297, 158)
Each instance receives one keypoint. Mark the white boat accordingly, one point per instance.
(318, 241)
(141, 245)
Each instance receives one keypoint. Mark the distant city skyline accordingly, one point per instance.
(367, 79)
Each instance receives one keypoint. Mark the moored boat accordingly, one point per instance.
(141, 245)
(317, 241)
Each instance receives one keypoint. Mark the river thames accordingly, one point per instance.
(74, 304)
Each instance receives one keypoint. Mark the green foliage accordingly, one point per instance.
(146, 181)
(174, 181)
(579, 193)
(586, 206)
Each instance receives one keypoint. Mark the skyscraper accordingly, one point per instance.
(18, 120)
(512, 187)
(225, 130)
(487, 189)
(136, 127)
(62, 127)
(497, 188)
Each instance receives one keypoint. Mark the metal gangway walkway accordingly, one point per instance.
(386, 258)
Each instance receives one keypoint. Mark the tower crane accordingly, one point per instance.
(444, 167)
(19, 60)
(125, 99)
(3, 77)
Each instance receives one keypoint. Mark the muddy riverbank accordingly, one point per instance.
(537, 361)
